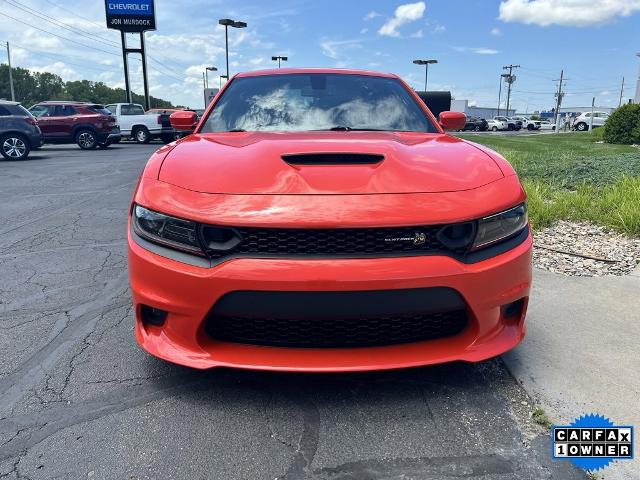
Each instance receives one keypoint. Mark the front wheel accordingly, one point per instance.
(476, 128)
(494, 129)
(530, 127)
(86, 140)
(142, 135)
(582, 127)
(14, 147)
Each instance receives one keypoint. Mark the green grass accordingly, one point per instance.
(540, 417)
(570, 176)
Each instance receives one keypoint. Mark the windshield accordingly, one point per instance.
(316, 101)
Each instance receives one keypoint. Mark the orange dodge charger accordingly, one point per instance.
(322, 220)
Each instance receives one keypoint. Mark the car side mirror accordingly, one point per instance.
(184, 121)
(452, 120)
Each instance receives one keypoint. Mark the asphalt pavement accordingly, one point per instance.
(581, 351)
(79, 399)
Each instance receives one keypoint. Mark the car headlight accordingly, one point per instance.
(166, 230)
(497, 227)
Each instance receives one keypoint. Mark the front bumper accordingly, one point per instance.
(188, 293)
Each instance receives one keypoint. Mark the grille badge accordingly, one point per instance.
(418, 238)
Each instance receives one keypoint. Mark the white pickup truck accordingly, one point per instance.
(135, 123)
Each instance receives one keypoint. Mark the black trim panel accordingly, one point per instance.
(322, 305)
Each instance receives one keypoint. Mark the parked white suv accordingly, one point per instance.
(134, 122)
(495, 125)
(583, 120)
(528, 123)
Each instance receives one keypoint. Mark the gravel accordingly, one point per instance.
(562, 248)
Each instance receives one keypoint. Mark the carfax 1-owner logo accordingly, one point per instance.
(592, 442)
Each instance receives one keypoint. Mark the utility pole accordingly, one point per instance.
(499, 95)
(13, 94)
(621, 93)
(510, 79)
(559, 96)
(637, 97)
(593, 106)
(505, 76)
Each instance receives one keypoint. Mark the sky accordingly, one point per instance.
(592, 40)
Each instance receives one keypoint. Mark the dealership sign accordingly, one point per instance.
(130, 15)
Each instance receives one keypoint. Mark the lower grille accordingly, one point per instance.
(349, 333)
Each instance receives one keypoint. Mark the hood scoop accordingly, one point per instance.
(332, 158)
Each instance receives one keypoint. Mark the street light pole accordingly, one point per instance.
(206, 71)
(278, 58)
(227, 22)
(426, 64)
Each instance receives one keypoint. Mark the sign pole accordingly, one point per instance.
(147, 99)
(134, 16)
(126, 66)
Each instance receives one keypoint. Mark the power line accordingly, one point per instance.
(60, 36)
(101, 39)
(58, 23)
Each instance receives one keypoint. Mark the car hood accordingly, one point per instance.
(260, 163)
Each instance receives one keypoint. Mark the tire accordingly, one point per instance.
(14, 146)
(476, 128)
(494, 129)
(530, 127)
(141, 135)
(582, 127)
(104, 145)
(86, 139)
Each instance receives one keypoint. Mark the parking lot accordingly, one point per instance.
(79, 399)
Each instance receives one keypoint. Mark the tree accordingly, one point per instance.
(33, 87)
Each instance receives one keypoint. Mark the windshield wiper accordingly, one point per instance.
(234, 130)
(344, 128)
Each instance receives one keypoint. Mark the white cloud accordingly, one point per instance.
(417, 34)
(256, 61)
(495, 31)
(406, 13)
(364, 30)
(439, 29)
(477, 50)
(334, 49)
(371, 15)
(575, 13)
(59, 68)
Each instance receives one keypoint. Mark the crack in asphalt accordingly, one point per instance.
(54, 419)
(435, 468)
(81, 321)
(56, 211)
(300, 466)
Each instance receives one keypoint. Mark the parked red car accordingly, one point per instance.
(322, 220)
(90, 125)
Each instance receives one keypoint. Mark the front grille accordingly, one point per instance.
(339, 242)
(337, 333)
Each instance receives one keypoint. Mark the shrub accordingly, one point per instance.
(623, 126)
